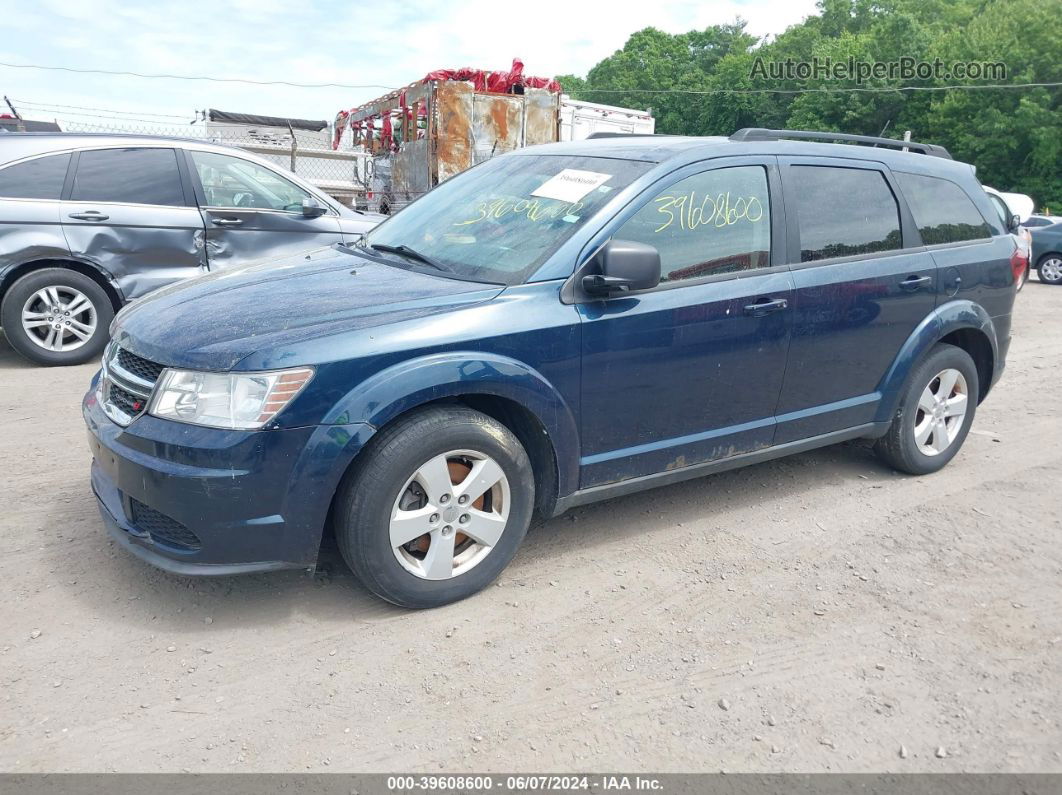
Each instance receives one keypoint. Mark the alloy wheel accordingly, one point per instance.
(59, 318)
(450, 514)
(1051, 269)
(941, 410)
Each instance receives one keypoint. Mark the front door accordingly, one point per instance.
(863, 284)
(690, 371)
(127, 210)
(253, 213)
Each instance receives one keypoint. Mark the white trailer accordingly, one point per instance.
(578, 120)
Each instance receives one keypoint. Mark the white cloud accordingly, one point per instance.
(325, 42)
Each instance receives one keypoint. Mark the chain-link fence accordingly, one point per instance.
(344, 174)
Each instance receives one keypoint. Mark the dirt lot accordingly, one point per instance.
(815, 613)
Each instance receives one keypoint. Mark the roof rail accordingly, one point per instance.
(762, 134)
(620, 135)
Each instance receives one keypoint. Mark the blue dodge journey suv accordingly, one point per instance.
(558, 325)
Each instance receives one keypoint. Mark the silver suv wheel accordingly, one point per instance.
(941, 411)
(59, 318)
(449, 515)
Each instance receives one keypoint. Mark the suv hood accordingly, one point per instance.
(213, 321)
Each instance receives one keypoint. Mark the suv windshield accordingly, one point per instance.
(499, 222)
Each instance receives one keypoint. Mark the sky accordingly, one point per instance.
(376, 43)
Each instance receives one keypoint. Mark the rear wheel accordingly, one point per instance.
(56, 316)
(436, 507)
(1050, 269)
(935, 413)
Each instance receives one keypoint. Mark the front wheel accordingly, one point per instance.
(56, 316)
(935, 413)
(436, 507)
(1050, 269)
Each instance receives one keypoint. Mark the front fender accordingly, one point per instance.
(397, 389)
(945, 319)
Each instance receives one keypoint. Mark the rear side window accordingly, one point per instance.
(42, 178)
(844, 212)
(942, 210)
(715, 222)
(129, 176)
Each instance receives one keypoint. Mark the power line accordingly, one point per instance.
(876, 89)
(189, 77)
(708, 92)
(54, 106)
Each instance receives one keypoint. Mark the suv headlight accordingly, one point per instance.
(226, 400)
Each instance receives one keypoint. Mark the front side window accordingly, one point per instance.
(942, 210)
(233, 182)
(128, 176)
(41, 178)
(499, 221)
(844, 212)
(715, 222)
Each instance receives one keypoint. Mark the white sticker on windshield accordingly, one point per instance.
(570, 185)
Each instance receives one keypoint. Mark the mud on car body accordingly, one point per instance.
(558, 325)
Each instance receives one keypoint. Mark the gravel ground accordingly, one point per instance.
(818, 613)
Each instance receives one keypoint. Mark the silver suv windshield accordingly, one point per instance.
(499, 221)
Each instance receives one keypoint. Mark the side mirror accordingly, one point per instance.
(623, 265)
(1015, 223)
(311, 208)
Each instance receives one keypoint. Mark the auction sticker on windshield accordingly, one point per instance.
(570, 185)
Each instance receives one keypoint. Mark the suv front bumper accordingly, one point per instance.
(202, 501)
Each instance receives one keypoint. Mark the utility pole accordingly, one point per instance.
(21, 125)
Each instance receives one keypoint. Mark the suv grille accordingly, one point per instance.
(139, 366)
(127, 383)
(128, 403)
(162, 528)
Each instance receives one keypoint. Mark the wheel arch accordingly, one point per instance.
(506, 389)
(964, 324)
(91, 270)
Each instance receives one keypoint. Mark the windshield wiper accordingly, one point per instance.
(410, 253)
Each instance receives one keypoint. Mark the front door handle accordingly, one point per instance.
(226, 221)
(912, 283)
(90, 215)
(766, 306)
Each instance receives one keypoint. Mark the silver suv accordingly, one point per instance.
(90, 222)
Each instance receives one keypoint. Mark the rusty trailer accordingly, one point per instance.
(428, 131)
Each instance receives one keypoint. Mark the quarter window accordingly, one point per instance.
(234, 182)
(715, 222)
(942, 210)
(128, 176)
(41, 178)
(844, 212)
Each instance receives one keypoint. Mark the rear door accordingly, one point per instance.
(863, 282)
(973, 257)
(254, 213)
(130, 210)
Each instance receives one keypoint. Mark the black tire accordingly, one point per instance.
(898, 447)
(368, 493)
(23, 289)
(1057, 279)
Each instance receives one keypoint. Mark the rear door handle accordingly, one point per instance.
(912, 283)
(226, 221)
(766, 307)
(90, 215)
